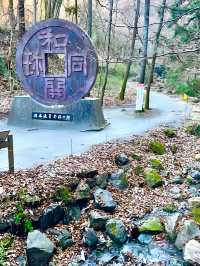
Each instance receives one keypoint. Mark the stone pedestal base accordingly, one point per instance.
(87, 114)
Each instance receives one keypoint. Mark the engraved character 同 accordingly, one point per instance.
(77, 63)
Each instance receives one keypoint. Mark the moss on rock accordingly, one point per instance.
(153, 178)
(157, 164)
(152, 225)
(63, 194)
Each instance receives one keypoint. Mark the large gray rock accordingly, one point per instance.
(103, 200)
(65, 239)
(116, 231)
(121, 159)
(83, 191)
(51, 216)
(119, 179)
(192, 252)
(188, 231)
(39, 249)
(171, 223)
(97, 220)
(90, 238)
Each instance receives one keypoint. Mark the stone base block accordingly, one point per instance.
(87, 114)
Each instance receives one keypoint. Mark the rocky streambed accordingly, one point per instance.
(138, 205)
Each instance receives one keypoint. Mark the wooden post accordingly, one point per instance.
(10, 154)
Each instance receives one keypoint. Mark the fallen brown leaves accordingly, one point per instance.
(134, 202)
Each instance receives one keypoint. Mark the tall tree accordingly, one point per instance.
(155, 49)
(11, 14)
(108, 50)
(21, 14)
(145, 41)
(34, 11)
(134, 35)
(89, 18)
(50, 8)
(76, 11)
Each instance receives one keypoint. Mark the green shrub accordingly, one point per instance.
(173, 148)
(21, 218)
(157, 164)
(5, 244)
(196, 214)
(136, 157)
(63, 194)
(153, 178)
(139, 170)
(193, 129)
(157, 147)
(169, 132)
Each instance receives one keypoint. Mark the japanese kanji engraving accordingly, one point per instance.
(56, 37)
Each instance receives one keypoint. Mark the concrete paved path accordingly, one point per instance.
(33, 147)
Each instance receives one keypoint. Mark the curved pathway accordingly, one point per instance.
(33, 147)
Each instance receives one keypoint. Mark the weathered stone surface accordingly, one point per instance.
(153, 178)
(51, 216)
(39, 249)
(196, 175)
(121, 159)
(194, 202)
(171, 223)
(187, 232)
(145, 238)
(82, 191)
(65, 239)
(4, 226)
(116, 231)
(119, 179)
(152, 225)
(71, 213)
(102, 180)
(98, 220)
(90, 238)
(21, 261)
(177, 180)
(103, 200)
(192, 252)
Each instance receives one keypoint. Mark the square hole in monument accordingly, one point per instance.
(55, 64)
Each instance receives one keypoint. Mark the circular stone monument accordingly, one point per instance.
(57, 66)
(39, 74)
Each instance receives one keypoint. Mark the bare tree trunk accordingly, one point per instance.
(76, 11)
(108, 51)
(11, 14)
(145, 41)
(34, 11)
(155, 49)
(21, 17)
(128, 67)
(89, 20)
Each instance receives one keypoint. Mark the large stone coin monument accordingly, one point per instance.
(55, 91)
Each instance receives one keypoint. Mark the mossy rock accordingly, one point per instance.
(138, 170)
(153, 178)
(136, 157)
(157, 147)
(157, 164)
(63, 194)
(116, 231)
(152, 225)
(83, 191)
(102, 180)
(193, 129)
(170, 208)
(196, 214)
(169, 132)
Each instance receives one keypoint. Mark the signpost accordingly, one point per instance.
(140, 98)
(6, 141)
